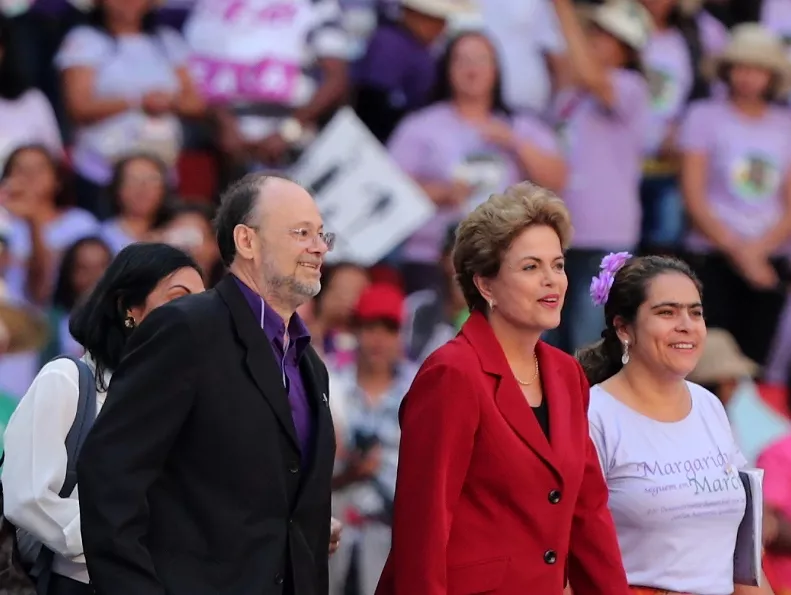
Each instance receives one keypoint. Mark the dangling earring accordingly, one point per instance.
(625, 356)
(129, 322)
(491, 304)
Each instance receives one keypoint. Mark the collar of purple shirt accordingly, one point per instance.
(274, 326)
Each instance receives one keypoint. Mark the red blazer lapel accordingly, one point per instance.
(508, 396)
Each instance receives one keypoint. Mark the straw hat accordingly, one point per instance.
(722, 360)
(755, 45)
(626, 20)
(441, 9)
(690, 7)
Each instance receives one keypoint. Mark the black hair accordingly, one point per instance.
(119, 171)
(237, 204)
(65, 193)
(207, 211)
(689, 28)
(442, 88)
(65, 297)
(13, 81)
(98, 323)
(602, 360)
(328, 273)
(97, 17)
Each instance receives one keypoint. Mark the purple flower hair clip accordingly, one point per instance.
(602, 283)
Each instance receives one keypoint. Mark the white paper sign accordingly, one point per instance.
(364, 197)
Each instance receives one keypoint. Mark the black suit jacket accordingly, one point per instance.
(190, 482)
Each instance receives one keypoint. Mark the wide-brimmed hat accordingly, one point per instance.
(722, 360)
(690, 7)
(754, 45)
(626, 20)
(441, 9)
(22, 328)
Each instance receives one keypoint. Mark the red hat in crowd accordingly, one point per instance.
(380, 301)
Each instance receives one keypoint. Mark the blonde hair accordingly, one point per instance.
(487, 233)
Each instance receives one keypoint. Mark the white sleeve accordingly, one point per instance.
(84, 46)
(598, 435)
(35, 465)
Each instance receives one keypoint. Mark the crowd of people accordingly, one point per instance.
(664, 125)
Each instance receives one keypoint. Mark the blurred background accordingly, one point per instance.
(122, 120)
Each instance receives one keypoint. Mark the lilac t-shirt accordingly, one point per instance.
(436, 144)
(126, 67)
(672, 487)
(748, 160)
(604, 148)
(29, 119)
(670, 76)
(776, 16)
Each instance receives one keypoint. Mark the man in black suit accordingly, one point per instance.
(208, 471)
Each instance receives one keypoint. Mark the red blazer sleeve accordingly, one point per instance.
(595, 565)
(438, 417)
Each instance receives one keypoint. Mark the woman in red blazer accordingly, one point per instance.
(499, 489)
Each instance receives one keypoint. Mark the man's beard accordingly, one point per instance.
(288, 287)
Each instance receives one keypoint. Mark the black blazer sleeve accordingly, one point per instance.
(150, 396)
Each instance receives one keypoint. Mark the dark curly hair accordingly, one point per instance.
(602, 360)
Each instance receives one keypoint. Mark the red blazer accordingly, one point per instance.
(484, 503)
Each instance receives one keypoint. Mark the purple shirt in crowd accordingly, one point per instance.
(396, 61)
(299, 339)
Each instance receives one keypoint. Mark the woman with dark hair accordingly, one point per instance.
(34, 188)
(665, 445)
(139, 195)
(189, 227)
(736, 181)
(601, 114)
(125, 84)
(83, 264)
(26, 115)
(683, 35)
(45, 223)
(141, 278)
(465, 146)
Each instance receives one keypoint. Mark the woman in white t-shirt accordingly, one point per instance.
(142, 277)
(126, 83)
(665, 446)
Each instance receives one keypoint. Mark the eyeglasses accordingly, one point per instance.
(308, 238)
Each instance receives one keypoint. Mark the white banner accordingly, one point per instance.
(363, 195)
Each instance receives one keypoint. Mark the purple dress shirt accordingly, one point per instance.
(288, 359)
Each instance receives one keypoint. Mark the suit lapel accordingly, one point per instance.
(508, 396)
(558, 397)
(259, 357)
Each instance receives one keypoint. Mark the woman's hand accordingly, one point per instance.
(499, 133)
(754, 266)
(157, 103)
(336, 528)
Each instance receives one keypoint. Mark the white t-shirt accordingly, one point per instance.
(524, 33)
(673, 487)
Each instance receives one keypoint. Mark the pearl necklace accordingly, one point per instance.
(535, 374)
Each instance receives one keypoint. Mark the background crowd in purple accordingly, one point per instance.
(121, 120)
